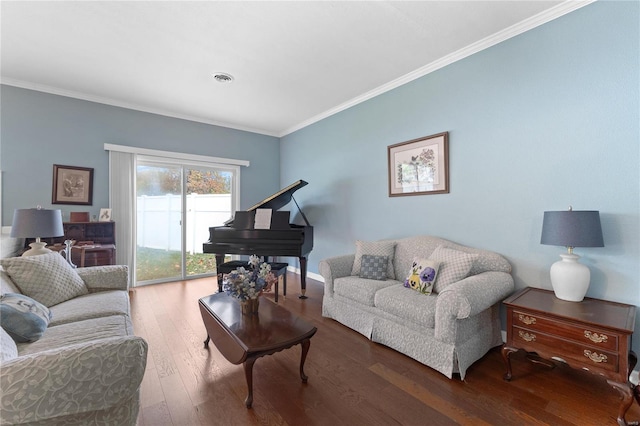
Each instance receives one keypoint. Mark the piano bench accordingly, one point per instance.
(278, 269)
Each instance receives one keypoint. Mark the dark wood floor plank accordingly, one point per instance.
(352, 381)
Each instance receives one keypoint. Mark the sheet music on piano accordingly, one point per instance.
(263, 219)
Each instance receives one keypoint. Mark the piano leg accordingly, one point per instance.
(303, 277)
(219, 261)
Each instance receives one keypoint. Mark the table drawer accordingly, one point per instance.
(597, 338)
(572, 352)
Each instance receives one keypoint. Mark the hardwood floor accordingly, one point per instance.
(352, 381)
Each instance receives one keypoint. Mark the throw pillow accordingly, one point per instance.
(8, 348)
(375, 248)
(422, 275)
(24, 319)
(454, 266)
(374, 267)
(47, 278)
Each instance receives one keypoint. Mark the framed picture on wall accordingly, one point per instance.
(72, 185)
(419, 166)
(105, 215)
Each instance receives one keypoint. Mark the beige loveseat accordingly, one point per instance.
(87, 366)
(447, 330)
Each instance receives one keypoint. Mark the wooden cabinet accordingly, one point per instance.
(101, 234)
(98, 232)
(593, 335)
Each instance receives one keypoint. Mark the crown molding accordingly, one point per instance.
(113, 102)
(512, 31)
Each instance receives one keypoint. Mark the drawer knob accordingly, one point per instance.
(595, 357)
(526, 336)
(595, 337)
(526, 319)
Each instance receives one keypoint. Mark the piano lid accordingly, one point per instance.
(277, 201)
(280, 198)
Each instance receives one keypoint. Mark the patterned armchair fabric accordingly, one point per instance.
(88, 365)
(447, 331)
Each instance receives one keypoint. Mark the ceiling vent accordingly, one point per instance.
(222, 77)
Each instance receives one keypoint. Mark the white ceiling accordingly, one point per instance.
(294, 63)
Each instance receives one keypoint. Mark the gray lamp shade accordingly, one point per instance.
(37, 223)
(572, 229)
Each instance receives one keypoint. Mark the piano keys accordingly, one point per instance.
(284, 239)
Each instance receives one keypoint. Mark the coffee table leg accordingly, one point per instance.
(206, 342)
(248, 373)
(305, 349)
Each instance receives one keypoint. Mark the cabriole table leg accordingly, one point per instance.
(506, 355)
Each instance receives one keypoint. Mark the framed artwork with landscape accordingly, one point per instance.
(419, 166)
(72, 185)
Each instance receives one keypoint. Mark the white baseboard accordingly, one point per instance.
(311, 275)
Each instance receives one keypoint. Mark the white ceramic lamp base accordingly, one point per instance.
(570, 278)
(37, 248)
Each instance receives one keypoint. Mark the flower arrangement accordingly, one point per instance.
(245, 284)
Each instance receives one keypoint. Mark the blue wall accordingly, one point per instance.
(39, 130)
(542, 121)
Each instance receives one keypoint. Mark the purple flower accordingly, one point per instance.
(427, 274)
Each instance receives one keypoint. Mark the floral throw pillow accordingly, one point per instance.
(422, 275)
(374, 267)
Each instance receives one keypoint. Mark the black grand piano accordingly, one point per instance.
(240, 236)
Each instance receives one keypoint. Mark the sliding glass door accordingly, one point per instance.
(208, 203)
(176, 206)
(158, 222)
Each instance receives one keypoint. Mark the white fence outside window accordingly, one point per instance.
(158, 220)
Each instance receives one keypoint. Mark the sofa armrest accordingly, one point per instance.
(76, 379)
(469, 297)
(107, 277)
(335, 267)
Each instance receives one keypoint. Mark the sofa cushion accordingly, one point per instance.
(405, 304)
(374, 267)
(454, 266)
(8, 348)
(361, 290)
(23, 318)
(422, 275)
(376, 248)
(6, 285)
(47, 278)
(93, 305)
(90, 330)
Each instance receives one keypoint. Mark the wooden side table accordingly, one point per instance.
(593, 335)
(102, 254)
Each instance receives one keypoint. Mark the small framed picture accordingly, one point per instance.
(419, 166)
(105, 215)
(72, 185)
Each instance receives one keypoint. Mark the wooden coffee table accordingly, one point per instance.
(245, 338)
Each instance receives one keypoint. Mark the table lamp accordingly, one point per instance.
(37, 223)
(569, 278)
